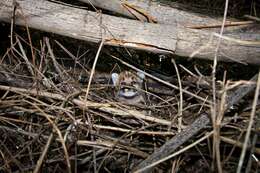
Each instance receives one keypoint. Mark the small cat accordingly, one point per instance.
(128, 87)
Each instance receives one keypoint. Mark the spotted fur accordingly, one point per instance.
(128, 87)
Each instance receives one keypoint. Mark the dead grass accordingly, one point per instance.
(58, 113)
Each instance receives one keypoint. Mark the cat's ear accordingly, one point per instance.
(114, 77)
(141, 76)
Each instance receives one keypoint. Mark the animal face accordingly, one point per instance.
(128, 86)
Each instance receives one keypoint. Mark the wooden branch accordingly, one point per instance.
(156, 12)
(92, 27)
(175, 142)
(201, 122)
(82, 104)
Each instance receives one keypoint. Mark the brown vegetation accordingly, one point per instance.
(58, 111)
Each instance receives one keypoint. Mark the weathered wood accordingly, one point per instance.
(201, 122)
(170, 13)
(159, 12)
(92, 27)
(175, 142)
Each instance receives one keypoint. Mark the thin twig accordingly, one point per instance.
(251, 121)
(86, 96)
(58, 132)
(176, 153)
(106, 107)
(180, 126)
(216, 140)
(44, 152)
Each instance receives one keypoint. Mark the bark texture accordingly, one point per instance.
(116, 31)
(163, 14)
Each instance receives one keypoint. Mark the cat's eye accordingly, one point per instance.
(133, 83)
(123, 83)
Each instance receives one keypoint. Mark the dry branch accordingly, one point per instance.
(176, 141)
(200, 123)
(92, 27)
(106, 107)
(154, 11)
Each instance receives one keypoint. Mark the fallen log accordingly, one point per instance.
(157, 12)
(152, 12)
(116, 31)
